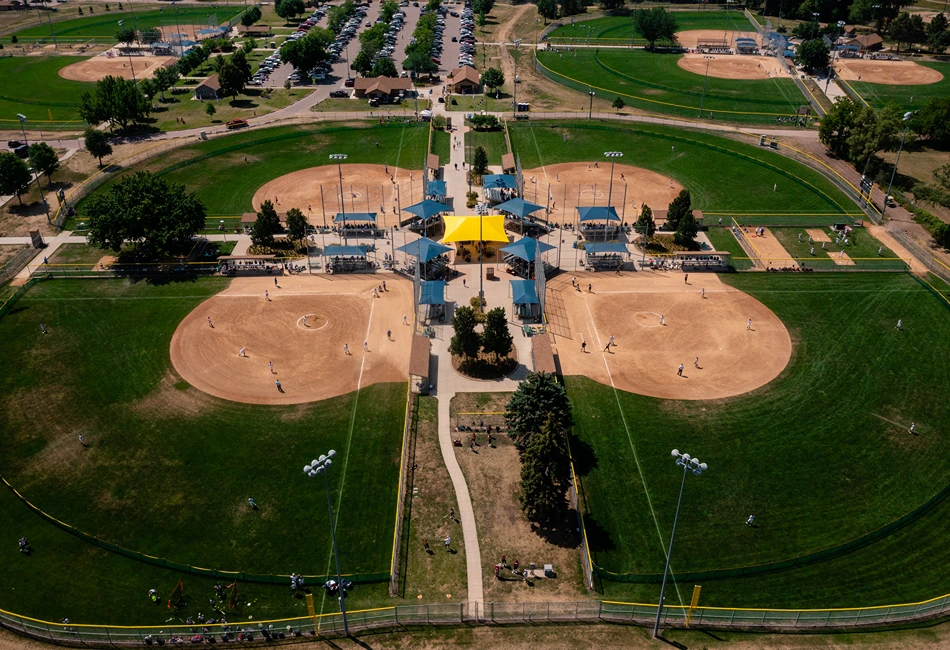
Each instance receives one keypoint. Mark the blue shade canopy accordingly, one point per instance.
(506, 181)
(334, 251)
(433, 292)
(594, 249)
(519, 207)
(523, 292)
(424, 249)
(435, 188)
(598, 213)
(427, 208)
(354, 216)
(527, 248)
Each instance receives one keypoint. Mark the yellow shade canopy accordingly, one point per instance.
(469, 229)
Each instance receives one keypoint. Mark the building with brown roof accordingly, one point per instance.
(210, 88)
(385, 89)
(254, 30)
(464, 81)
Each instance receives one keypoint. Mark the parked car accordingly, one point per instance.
(349, 83)
(13, 144)
(339, 93)
(237, 124)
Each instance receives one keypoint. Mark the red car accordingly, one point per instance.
(237, 124)
(349, 82)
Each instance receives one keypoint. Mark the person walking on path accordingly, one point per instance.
(451, 514)
(607, 347)
(590, 288)
(384, 286)
(210, 324)
(680, 371)
(279, 389)
(913, 427)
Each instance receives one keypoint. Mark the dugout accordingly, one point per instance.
(606, 257)
(346, 259)
(524, 299)
(357, 224)
(427, 216)
(419, 364)
(521, 257)
(432, 295)
(432, 258)
(746, 46)
(598, 222)
(703, 260)
(517, 210)
(247, 264)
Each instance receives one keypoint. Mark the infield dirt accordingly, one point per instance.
(733, 67)
(99, 67)
(895, 73)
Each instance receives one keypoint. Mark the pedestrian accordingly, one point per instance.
(899, 323)
(574, 282)
(671, 183)
(252, 503)
(82, 440)
(425, 545)
(823, 245)
(799, 236)
(275, 282)
(346, 348)
(389, 334)
(365, 346)
(210, 324)
(810, 240)
(774, 187)
(913, 426)
(42, 328)
(590, 288)
(686, 279)
(583, 347)
(498, 571)
(448, 541)
(679, 372)
(703, 293)
(878, 250)
(621, 176)
(471, 445)
(242, 352)
(840, 255)
(514, 566)
(384, 286)
(662, 320)
(673, 149)
(271, 364)
(696, 362)
(377, 144)
(404, 321)
(588, 166)
(305, 321)
(266, 295)
(748, 325)
(279, 389)
(750, 520)
(504, 561)
(452, 514)
(612, 340)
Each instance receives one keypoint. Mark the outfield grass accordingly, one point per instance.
(821, 455)
(722, 175)
(879, 95)
(654, 82)
(33, 87)
(722, 239)
(618, 30)
(216, 170)
(102, 26)
(493, 141)
(442, 145)
(169, 469)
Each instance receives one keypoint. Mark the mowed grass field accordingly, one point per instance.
(654, 82)
(909, 98)
(821, 456)
(724, 176)
(102, 26)
(216, 170)
(617, 30)
(169, 469)
(32, 86)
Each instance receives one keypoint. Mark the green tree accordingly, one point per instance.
(618, 104)
(164, 78)
(937, 35)
(483, 6)
(933, 121)
(493, 78)
(678, 209)
(125, 35)
(118, 100)
(266, 226)
(251, 16)
(907, 29)
(546, 476)
(210, 110)
(149, 36)
(362, 62)
(687, 230)
(14, 176)
(387, 10)
(44, 160)
(484, 122)
(384, 67)
(157, 214)
(547, 9)
(465, 341)
(97, 143)
(288, 9)
(571, 7)
(419, 62)
(838, 125)
(481, 19)
(875, 131)
(645, 224)
(148, 88)
(305, 53)
(655, 25)
(480, 161)
(296, 224)
(233, 73)
(537, 398)
(813, 55)
(496, 339)
(942, 176)
(610, 5)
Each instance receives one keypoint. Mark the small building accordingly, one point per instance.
(12, 5)
(212, 32)
(254, 31)
(747, 46)
(210, 88)
(508, 163)
(384, 89)
(464, 81)
(868, 42)
(162, 49)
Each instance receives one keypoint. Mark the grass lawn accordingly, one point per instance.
(169, 469)
(863, 248)
(74, 254)
(251, 103)
(654, 82)
(617, 30)
(350, 105)
(722, 239)
(102, 25)
(216, 170)
(822, 455)
(877, 95)
(442, 145)
(722, 175)
(477, 103)
(33, 87)
(493, 141)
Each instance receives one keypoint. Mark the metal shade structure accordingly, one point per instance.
(597, 249)
(433, 292)
(435, 188)
(499, 181)
(424, 249)
(518, 207)
(477, 228)
(527, 248)
(597, 213)
(342, 251)
(524, 293)
(427, 208)
(354, 216)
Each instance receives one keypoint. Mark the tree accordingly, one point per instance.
(875, 131)
(813, 55)
(571, 7)
(645, 224)
(618, 104)
(149, 36)
(233, 73)
(148, 88)
(484, 122)
(483, 6)
(933, 121)
(942, 176)
(481, 19)
(44, 160)
(14, 176)
(384, 67)
(538, 398)
(419, 62)
(164, 78)
(97, 143)
(306, 53)
(548, 9)
(836, 127)
(480, 161)
(387, 10)
(496, 339)
(251, 16)
(678, 208)
(146, 209)
(210, 110)
(288, 9)
(296, 224)
(546, 476)
(937, 35)
(907, 29)
(118, 100)
(609, 5)
(362, 62)
(656, 24)
(266, 226)
(493, 78)
(687, 230)
(465, 341)
(125, 35)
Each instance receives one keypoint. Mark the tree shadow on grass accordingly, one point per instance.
(583, 456)
(598, 539)
(563, 534)
(243, 103)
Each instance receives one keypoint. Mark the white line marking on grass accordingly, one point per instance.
(633, 448)
(538, 149)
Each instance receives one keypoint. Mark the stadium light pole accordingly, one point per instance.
(907, 117)
(339, 158)
(316, 467)
(613, 155)
(22, 118)
(705, 78)
(689, 464)
(590, 110)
